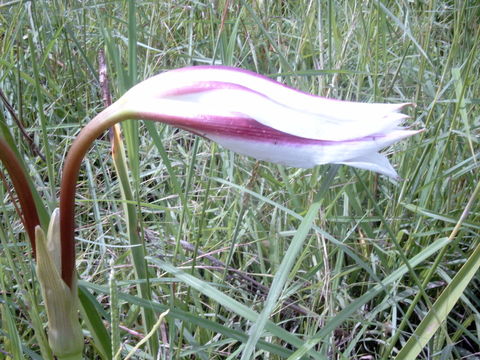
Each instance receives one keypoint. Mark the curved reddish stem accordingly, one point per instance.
(71, 169)
(22, 188)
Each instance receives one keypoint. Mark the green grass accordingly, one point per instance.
(216, 226)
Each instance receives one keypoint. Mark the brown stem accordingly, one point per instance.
(71, 169)
(22, 188)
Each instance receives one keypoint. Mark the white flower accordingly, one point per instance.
(256, 116)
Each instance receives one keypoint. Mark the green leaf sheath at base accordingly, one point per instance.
(64, 331)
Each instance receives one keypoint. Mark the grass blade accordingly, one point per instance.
(12, 342)
(137, 246)
(189, 318)
(447, 300)
(286, 265)
(362, 300)
(228, 302)
(89, 309)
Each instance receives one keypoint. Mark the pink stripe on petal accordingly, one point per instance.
(249, 129)
(229, 126)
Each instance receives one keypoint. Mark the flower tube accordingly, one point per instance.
(249, 114)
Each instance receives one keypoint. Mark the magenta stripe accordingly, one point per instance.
(241, 128)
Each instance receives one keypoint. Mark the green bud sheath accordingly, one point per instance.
(64, 330)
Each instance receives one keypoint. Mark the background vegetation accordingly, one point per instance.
(216, 225)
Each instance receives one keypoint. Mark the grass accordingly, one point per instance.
(216, 226)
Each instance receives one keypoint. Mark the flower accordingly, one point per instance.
(259, 117)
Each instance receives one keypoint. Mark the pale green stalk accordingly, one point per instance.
(137, 246)
(114, 313)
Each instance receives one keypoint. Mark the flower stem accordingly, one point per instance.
(71, 169)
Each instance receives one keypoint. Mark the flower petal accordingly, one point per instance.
(375, 162)
(306, 153)
(249, 137)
